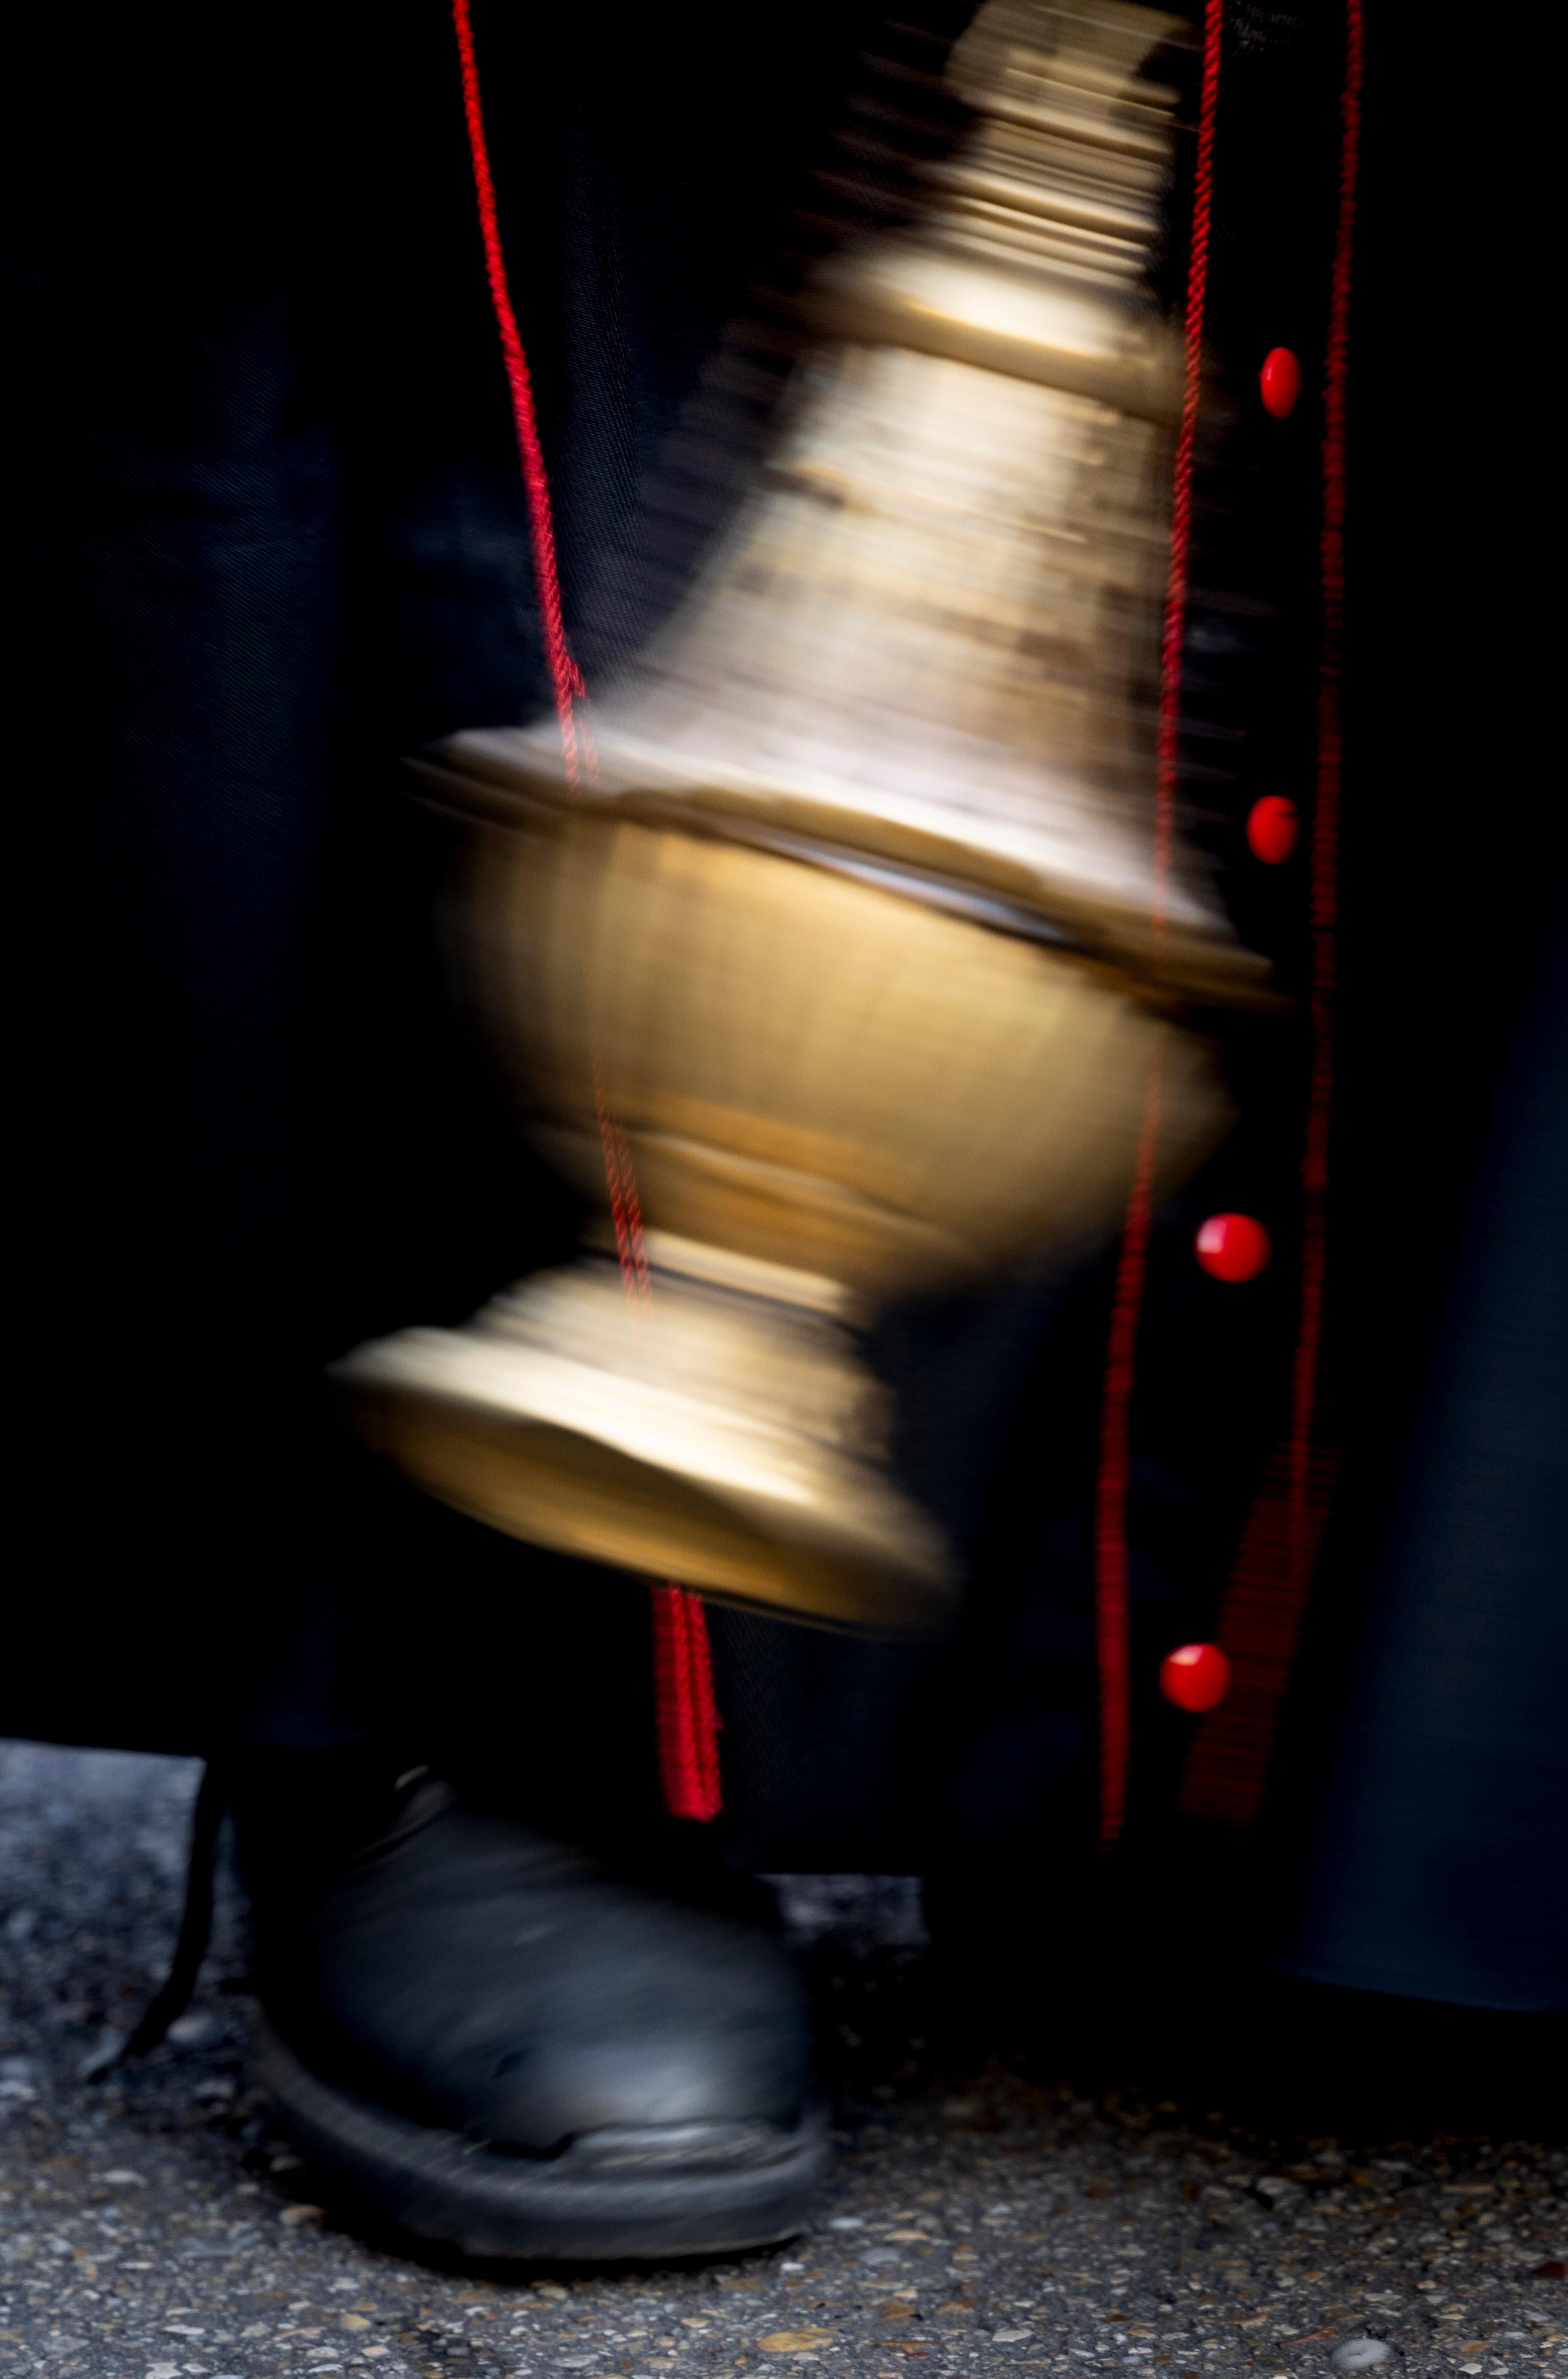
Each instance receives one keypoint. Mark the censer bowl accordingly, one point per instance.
(821, 1083)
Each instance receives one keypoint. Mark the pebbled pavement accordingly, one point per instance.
(152, 2226)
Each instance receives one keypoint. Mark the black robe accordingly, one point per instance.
(265, 534)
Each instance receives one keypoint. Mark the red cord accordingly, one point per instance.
(1187, 440)
(1112, 1646)
(687, 1719)
(1112, 1633)
(565, 677)
(688, 1715)
(1260, 1622)
(625, 1205)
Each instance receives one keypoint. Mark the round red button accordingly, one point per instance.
(1232, 1247)
(1273, 829)
(1195, 1676)
(1279, 382)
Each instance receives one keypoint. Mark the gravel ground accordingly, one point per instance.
(152, 2226)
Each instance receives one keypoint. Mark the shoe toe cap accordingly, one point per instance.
(567, 2085)
(531, 2011)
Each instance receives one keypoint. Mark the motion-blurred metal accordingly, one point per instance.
(846, 943)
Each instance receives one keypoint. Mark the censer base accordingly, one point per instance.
(717, 1427)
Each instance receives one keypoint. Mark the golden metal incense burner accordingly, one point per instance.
(850, 933)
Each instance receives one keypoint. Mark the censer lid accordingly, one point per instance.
(930, 641)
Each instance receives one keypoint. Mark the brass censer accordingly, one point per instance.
(849, 934)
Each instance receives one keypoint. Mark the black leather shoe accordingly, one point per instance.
(492, 2041)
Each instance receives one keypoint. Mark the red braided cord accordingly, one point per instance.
(1260, 1619)
(1112, 1646)
(687, 1717)
(565, 678)
(1112, 1636)
(1187, 440)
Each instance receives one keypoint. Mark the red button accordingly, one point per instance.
(1195, 1676)
(1232, 1247)
(1279, 382)
(1273, 828)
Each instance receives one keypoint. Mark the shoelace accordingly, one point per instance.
(174, 1994)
